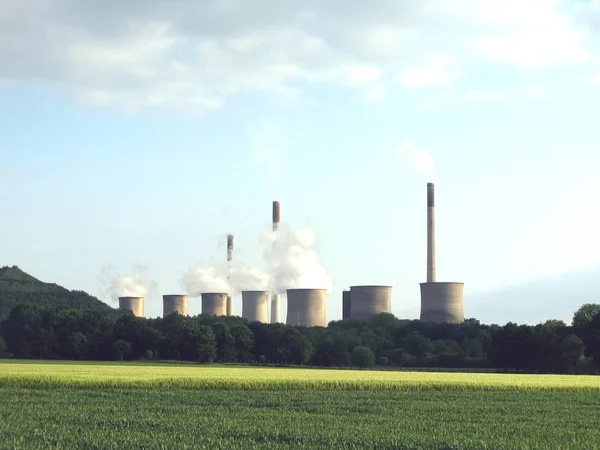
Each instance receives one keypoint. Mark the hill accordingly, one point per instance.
(17, 286)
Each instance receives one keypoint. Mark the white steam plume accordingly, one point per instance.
(420, 161)
(136, 284)
(204, 277)
(249, 279)
(293, 262)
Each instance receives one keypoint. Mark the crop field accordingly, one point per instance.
(159, 406)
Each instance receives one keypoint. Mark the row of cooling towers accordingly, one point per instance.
(440, 301)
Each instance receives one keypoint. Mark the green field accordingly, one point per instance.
(127, 406)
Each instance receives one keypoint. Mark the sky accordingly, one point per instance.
(136, 135)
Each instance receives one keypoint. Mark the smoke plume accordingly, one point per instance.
(136, 284)
(293, 262)
(420, 161)
(249, 279)
(202, 278)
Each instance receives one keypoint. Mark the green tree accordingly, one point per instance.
(362, 357)
(584, 315)
(226, 351)
(121, 349)
(78, 345)
(243, 341)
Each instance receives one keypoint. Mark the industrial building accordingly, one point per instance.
(214, 304)
(255, 306)
(367, 301)
(175, 304)
(306, 307)
(133, 304)
(440, 302)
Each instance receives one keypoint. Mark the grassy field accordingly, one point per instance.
(127, 406)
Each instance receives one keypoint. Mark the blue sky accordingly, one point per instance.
(142, 135)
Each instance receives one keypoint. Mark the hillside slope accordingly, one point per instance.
(17, 286)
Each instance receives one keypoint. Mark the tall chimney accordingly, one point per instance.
(430, 233)
(229, 307)
(276, 215)
(275, 297)
(230, 248)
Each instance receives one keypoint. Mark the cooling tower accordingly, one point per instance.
(214, 304)
(134, 304)
(175, 304)
(255, 306)
(442, 302)
(370, 300)
(306, 307)
(346, 303)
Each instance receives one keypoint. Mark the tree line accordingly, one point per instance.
(60, 332)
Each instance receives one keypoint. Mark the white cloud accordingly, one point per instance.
(419, 160)
(592, 79)
(485, 96)
(439, 71)
(195, 56)
(375, 94)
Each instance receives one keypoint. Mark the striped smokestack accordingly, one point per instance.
(230, 248)
(229, 310)
(276, 215)
(430, 233)
(275, 297)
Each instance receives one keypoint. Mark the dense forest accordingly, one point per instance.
(37, 331)
(17, 286)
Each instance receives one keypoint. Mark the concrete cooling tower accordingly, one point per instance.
(133, 304)
(306, 307)
(366, 301)
(214, 304)
(346, 303)
(255, 306)
(440, 302)
(175, 304)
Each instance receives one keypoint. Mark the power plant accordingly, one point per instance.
(275, 299)
(133, 304)
(214, 304)
(175, 304)
(366, 301)
(306, 307)
(229, 266)
(255, 306)
(440, 302)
